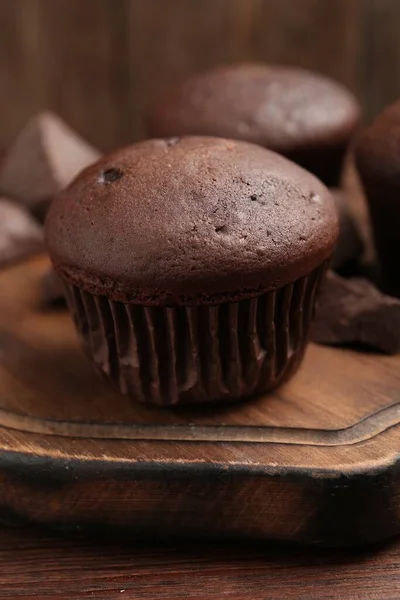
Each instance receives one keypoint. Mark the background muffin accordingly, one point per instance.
(307, 117)
(350, 245)
(191, 266)
(378, 162)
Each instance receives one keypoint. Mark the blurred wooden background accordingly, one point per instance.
(100, 63)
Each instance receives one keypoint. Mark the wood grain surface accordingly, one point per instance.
(101, 63)
(315, 461)
(38, 566)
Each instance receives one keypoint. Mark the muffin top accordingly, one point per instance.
(191, 220)
(378, 150)
(284, 109)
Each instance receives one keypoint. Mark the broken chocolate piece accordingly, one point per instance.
(52, 290)
(354, 311)
(349, 247)
(20, 235)
(44, 158)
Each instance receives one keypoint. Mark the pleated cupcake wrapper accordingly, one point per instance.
(197, 353)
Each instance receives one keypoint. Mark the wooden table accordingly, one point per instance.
(38, 565)
(64, 54)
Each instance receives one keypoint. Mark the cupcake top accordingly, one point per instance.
(284, 109)
(378, 150)
(181, 221)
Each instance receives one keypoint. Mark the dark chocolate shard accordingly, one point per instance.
(20, 235)
(354, 311)
(349, 247)
(52, 290)
(44, 158)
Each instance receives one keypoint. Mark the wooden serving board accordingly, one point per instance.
(315, 461)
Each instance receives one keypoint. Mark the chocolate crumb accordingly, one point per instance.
(172, 141)
(110, 175)
(314, 197)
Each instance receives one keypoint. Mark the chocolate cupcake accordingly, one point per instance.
(377, 156)
(191, 266)
(304, 116)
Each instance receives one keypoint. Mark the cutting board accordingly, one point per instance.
(314, 462)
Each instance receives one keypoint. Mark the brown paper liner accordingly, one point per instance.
(167, 356)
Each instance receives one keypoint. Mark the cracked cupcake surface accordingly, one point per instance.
(191, 266)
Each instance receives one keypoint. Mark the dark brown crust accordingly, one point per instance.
(285, 109)
(190, 220)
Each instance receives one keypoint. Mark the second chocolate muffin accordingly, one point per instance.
(191, 266)
(377, 155)
(303, 115)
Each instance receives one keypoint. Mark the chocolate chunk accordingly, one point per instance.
(52, 290)
(349, 247)
(20, 235)
(43, 159)
(354, 311)
(110, 175)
